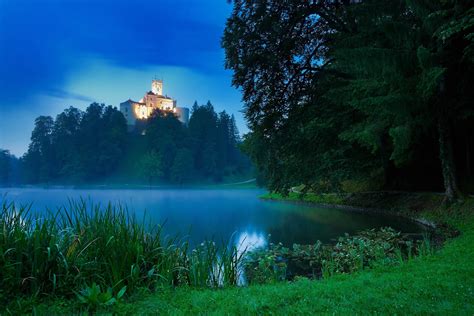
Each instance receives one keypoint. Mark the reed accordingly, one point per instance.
(62, 252)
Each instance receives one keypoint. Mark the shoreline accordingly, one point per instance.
(379, 203)
(240, 185)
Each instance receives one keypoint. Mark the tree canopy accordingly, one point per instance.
(95, 146)
(350, 90)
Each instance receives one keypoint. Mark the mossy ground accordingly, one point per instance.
(440, 283)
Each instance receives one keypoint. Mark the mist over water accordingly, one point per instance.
(219, 214)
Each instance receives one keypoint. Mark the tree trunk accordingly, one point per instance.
(447, 159)
(468, 155)
(387, 164)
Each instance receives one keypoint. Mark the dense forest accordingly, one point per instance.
(9, 168)
(95, 146)
(356, 95)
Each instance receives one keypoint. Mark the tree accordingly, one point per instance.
(101, 140)
(338, 90)
(278, 52)
(77, 146)
(234, 141)
(94, 144)
(5, 166)
(90, 136)
(150, 166)
(446, 59)
(223, 140)
(65, 143)
(182, 169)
(405, 79)
(112, 143)
(203, 131)
(166, 135)
(39, 159)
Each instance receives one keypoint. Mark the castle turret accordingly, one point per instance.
(157, 87)
(153, 100)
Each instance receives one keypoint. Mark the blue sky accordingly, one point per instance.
(60, 53)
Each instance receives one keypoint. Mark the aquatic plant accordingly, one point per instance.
(384, 246)
(60, 253)
(215, 266)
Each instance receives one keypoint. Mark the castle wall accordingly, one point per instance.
(142, 110)
(158, 102)
(128, 112)
(183, 115)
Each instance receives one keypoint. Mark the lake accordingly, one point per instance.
(220, 214)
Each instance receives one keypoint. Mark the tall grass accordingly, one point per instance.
(63, 252)
(214, 266)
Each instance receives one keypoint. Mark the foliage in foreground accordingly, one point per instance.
(78, 251)
(440, 283)
(348, 255)
(96, 256)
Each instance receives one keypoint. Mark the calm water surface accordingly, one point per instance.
(221, 214)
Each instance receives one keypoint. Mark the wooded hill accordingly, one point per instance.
(94, 146)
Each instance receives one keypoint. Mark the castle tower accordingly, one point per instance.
(157, 87)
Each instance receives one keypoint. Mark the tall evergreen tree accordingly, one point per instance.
(203, 131)
(5, 166)
(223, 140)
(183, 167)
(166, 135)
(113, 137)
(65, 142)
(39, 159)
(94, 145)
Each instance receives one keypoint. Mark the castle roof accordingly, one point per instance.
(159, 95)
(131, 101)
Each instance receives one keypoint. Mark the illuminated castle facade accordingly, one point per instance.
(153, 100)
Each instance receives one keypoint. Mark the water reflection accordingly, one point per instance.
(248, 241)
(220, 214)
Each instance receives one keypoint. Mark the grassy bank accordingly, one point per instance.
(441, 283)
(419, 205)
(436, 283)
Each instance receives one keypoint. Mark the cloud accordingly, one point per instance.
(61, 94)
(57, 53)
(46, 42)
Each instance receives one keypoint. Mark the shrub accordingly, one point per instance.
(347, 255)
(93, 297)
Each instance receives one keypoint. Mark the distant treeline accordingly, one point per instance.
(94, 146)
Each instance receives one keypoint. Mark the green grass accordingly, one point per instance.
(441, 283)
(307, 198)
(435, 283)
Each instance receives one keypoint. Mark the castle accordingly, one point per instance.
(153, 100)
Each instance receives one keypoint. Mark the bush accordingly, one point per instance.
(347, 255)
(373, 182)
